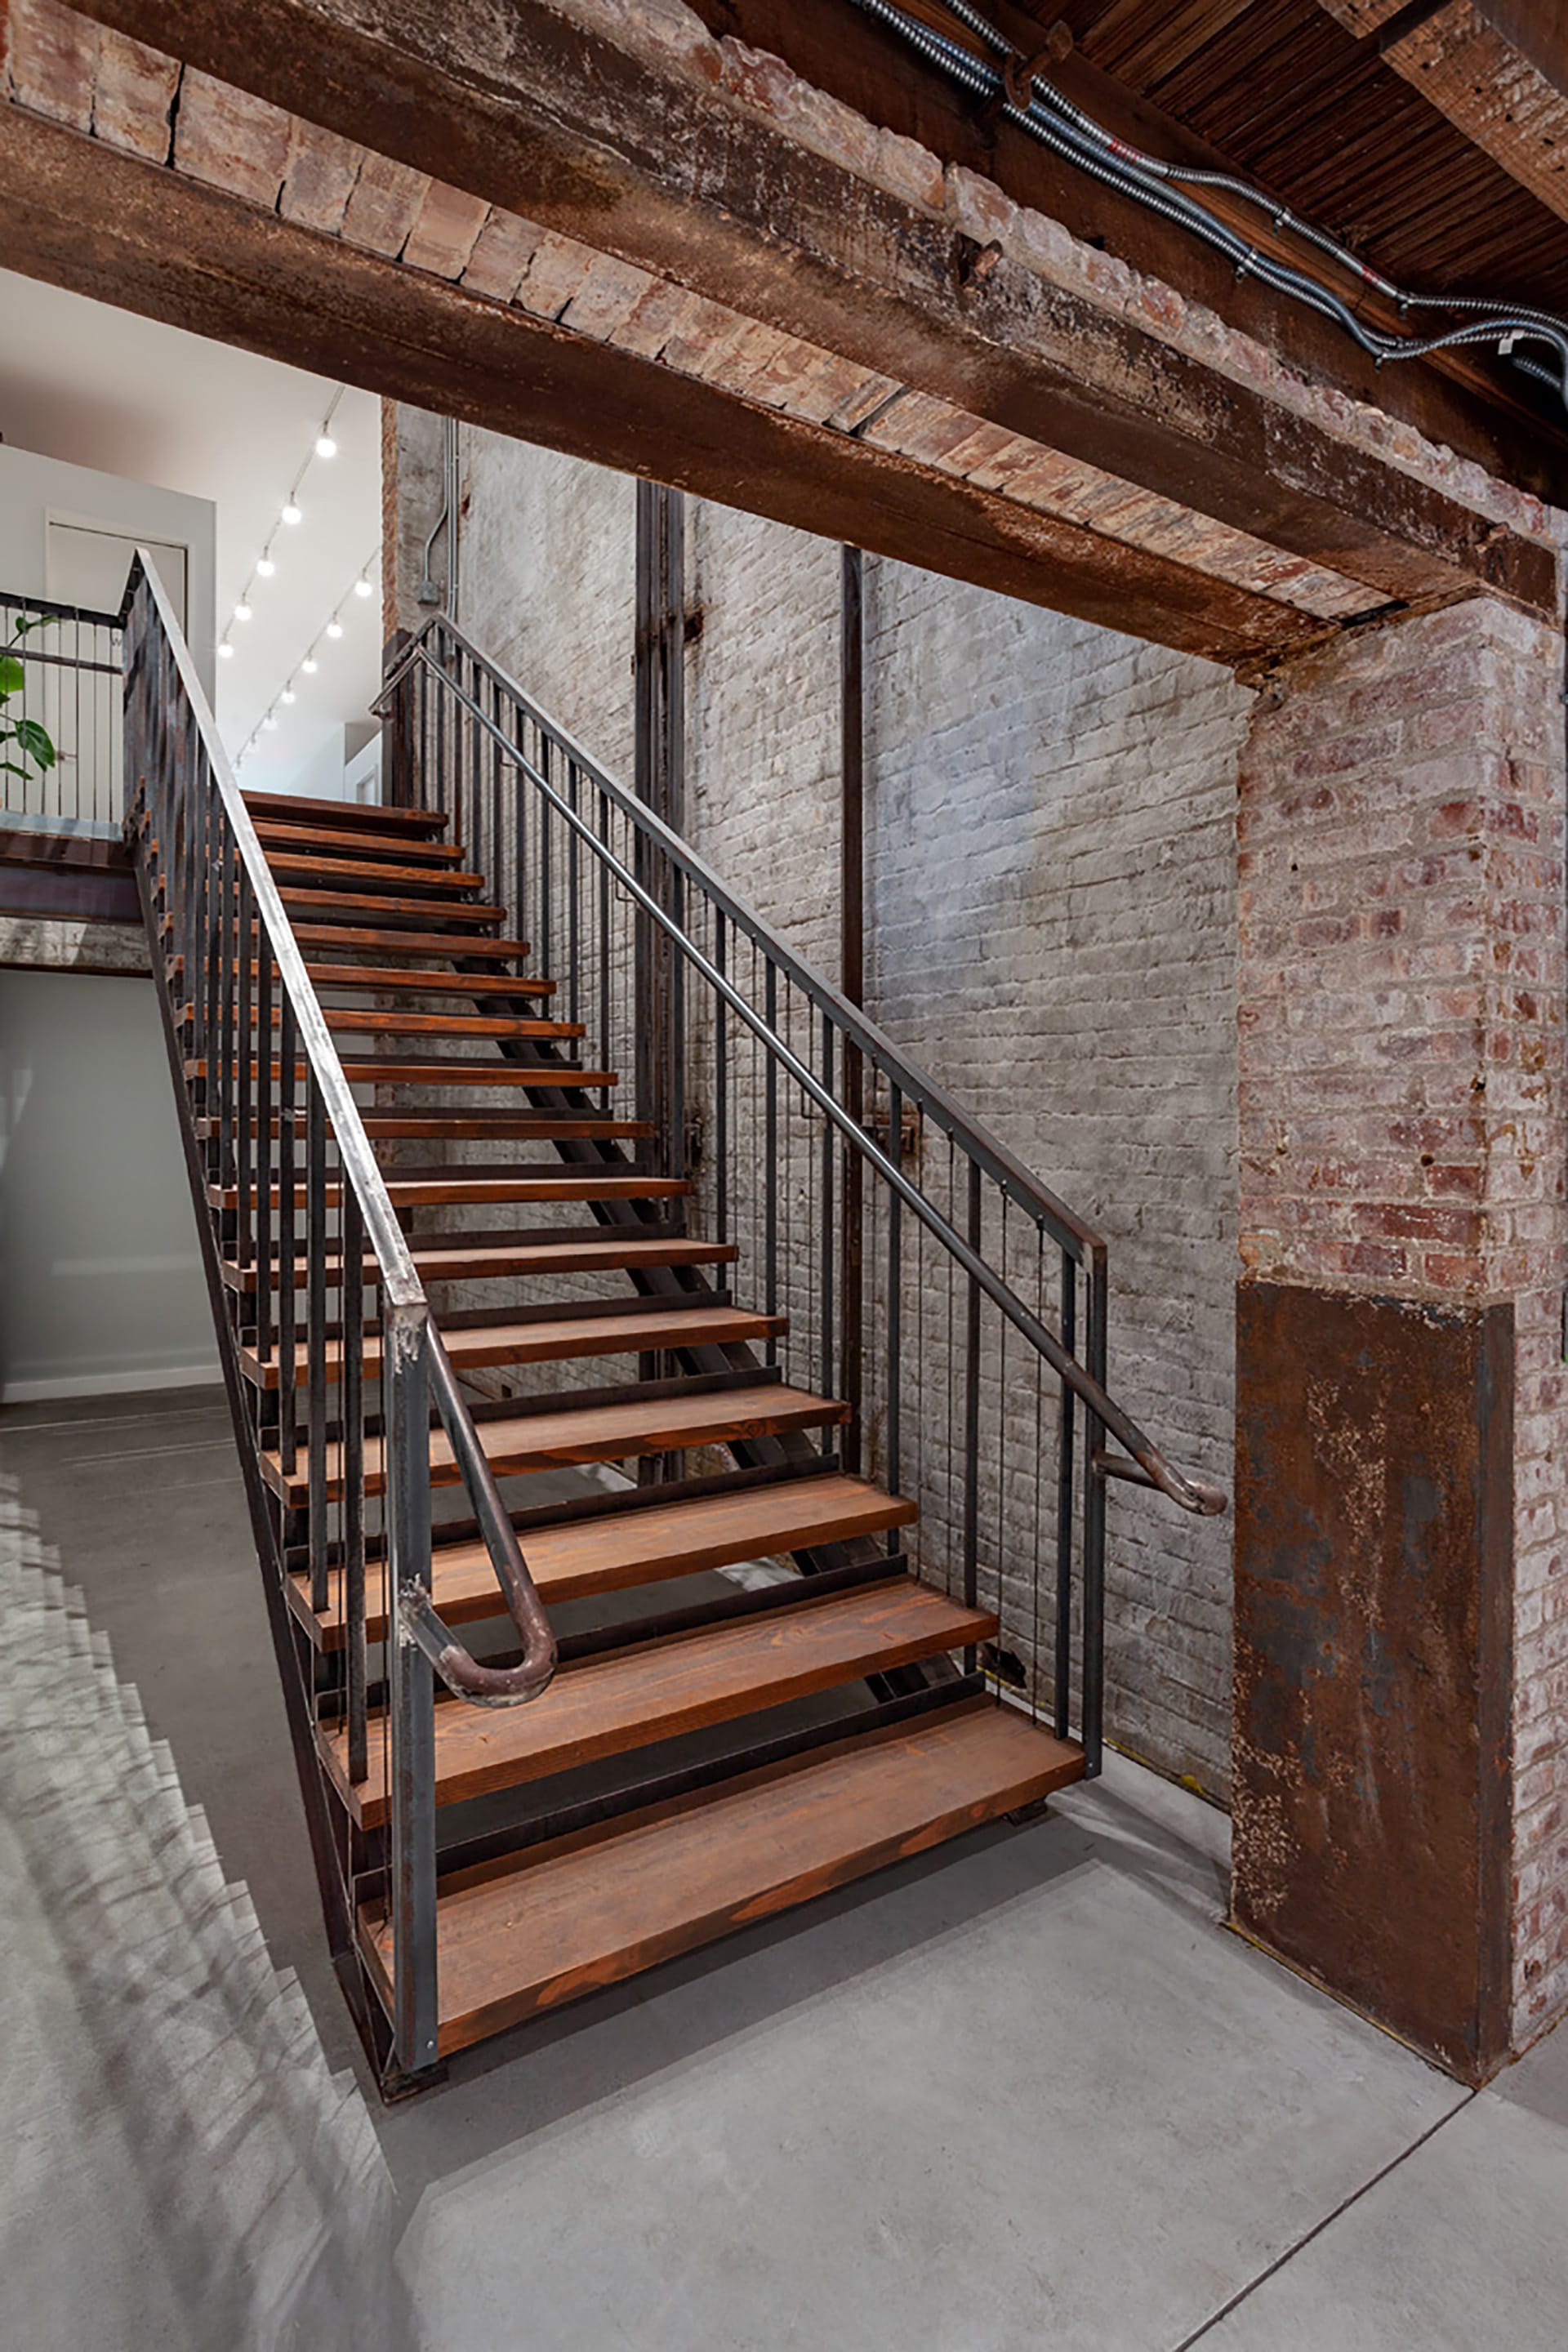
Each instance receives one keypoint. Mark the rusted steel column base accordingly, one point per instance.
(1374, 1558)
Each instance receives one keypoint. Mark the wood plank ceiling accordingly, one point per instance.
(1296, 103)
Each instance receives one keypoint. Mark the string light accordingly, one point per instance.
(291, 514)
(226, 651)
(309, 661)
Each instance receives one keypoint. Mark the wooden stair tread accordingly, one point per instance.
(302, 866)
(389, 980)
(460, 1188)
(555, 1341)
(619, 1550)
(445, 1070)
(375, 1021)
(583, 1912)
(480, 946)
(307, 903)
(682, 1683)
(500, 1261)
(516, 1444)
(375, 815)
(458, 1126)
(356, 840)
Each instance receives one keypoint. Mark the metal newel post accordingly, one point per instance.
(415, 2012)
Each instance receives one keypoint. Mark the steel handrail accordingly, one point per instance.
(399, 1282)
(1148, 1464)
(1067, 1228)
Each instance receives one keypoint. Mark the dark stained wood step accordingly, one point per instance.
(659, 1690)
(582, 1912)
(516, 1444)
(291, 808)
(391, 981)
(321, 840)
(462, 1126)
(475, 948)
(556, 1340)
(611, 1553)
(448, 1070)
(311, 905)
(298, 866)
(460, 1188)
(454, 1260)
(374, 1021)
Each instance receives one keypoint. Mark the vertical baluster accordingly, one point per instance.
(350, 1395)
(230, 1060)
(573, 912)
(895, 1307)
(412, 1793)
(829, 1146)
(1094, 1530)
(771, 1152)
(288, 1255)
(1061, 1699)
(249, 1044)
(316, 1331)
(722, 1079)
(675, 1056)
(972, 1408)
(266, 1154)
(607, 1043)
(543, 959)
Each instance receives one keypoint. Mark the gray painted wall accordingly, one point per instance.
(100, 1281)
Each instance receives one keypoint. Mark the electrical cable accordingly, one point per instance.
(1052, 120)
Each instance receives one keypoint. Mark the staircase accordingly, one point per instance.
(735, 1523)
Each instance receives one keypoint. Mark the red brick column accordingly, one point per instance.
(1402, 1645)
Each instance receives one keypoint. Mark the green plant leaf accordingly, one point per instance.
(35, 741)
(12, 677)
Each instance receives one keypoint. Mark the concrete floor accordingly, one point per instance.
(1024, 2092)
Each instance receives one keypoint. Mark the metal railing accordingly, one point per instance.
(955, 1305)
(61, 724)
(315, 1291)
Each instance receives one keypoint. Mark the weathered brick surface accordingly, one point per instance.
(1402, 1129)
(230, 140)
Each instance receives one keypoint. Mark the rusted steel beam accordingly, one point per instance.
(135, 234)
(533, 109)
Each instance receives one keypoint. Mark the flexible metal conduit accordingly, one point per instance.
(1055, 122)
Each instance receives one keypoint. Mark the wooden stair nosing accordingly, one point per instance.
(389, 982)
(638, 1331)
(480, 1187)
(460, 1126)
(612, 1554)
(497, 1263)
(396, 911)
(475, 948)
(679, 1683)
(302, 807)
(517, 1446)
(328, 869)
(438, 1070)
(377, 1021)
(594, 1908)
(354, 842)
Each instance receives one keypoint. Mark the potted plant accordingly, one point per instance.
(25, 746)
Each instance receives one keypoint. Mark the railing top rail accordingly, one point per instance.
(19, 600)
(1180, 1487)
(1068, 1230)
(400, 1283)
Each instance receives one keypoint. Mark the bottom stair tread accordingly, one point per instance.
(546, 1926)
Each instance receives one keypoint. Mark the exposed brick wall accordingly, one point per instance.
(1051, 916)
(1401, 1071)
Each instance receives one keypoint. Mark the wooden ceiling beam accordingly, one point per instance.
(137, 235)
(538, 111)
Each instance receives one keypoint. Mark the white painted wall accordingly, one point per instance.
(32, 488)
(101, 1280)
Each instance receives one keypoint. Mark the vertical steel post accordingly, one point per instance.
(852, 972)
(1065, 1473)
(412, 1792)
(1094, 1528)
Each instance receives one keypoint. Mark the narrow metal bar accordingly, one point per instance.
(971, 1404)
(266, 1154)
(542, 945)
(351, 1399)
(829, 1146)
(316, 1334)
(895, 1306)
(1093, 1723)
(253, 1047)
(1061, 1697)
(412, 1791)
(288, 1255)
(574, 904)
(607, 1043)
(722, 1084)
(675, 1051)
(771, 1151)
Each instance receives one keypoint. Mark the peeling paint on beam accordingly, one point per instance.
(554, 120)
(129, 233)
